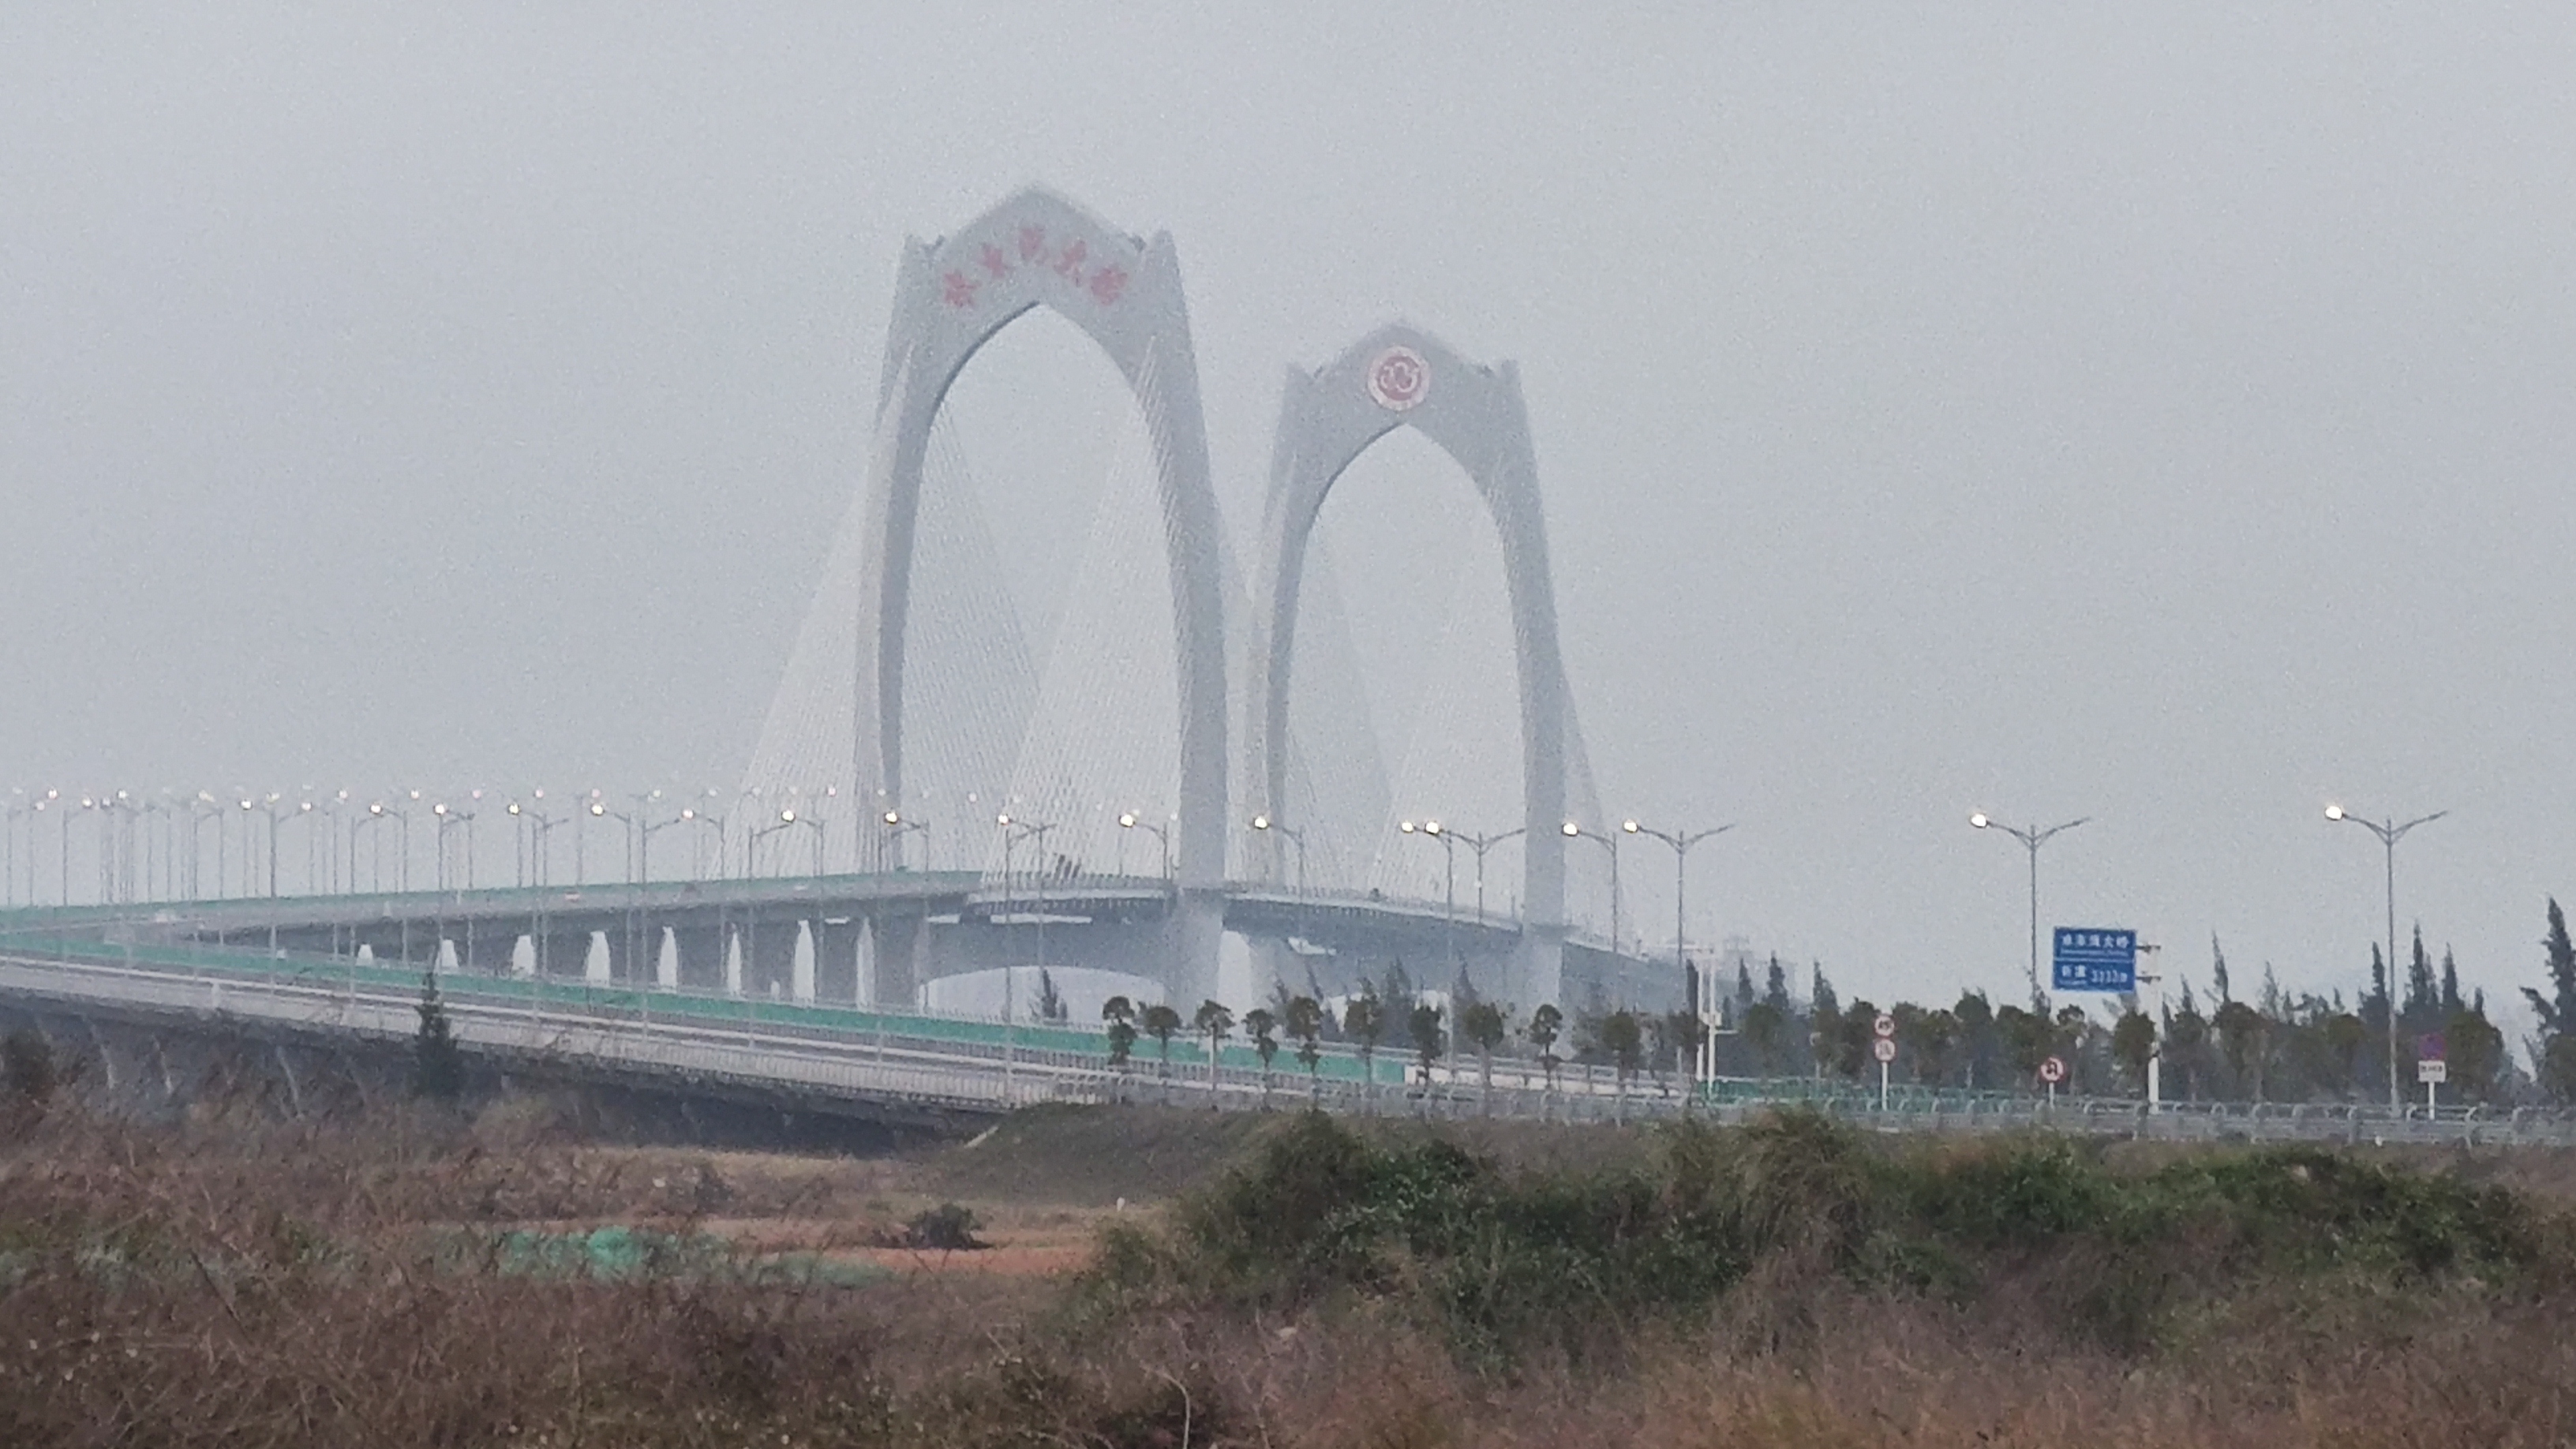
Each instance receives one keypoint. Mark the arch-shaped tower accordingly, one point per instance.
(1398, 376)
(951, 296)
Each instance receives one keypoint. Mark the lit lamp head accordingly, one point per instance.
(598, 809)
(1572, 829)
(893, 817)
(2334, 812)
(1979, 820)
(1629, 825)
(1260, 822)
(1431, 827)
(785, 817)
(1127, 820)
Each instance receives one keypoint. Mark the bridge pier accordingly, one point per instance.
(1538, 969)
(702, 957)
(633, 949)
(836, 959)
(563, 954)
(895, 944)
(488, 950)
(769, 963)
(1191, 935)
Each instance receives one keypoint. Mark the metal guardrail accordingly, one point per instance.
(974, 1065)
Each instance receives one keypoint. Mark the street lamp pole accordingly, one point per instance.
(2389, 833)
(1449, 891)
(1013, 832)
(1700, 1000)
(896, 828)
(2031, 840)
(1608, 840)
(1130, 820)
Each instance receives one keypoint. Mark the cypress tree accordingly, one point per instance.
(437, 1067)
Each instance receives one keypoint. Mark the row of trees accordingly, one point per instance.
(2215, 1045)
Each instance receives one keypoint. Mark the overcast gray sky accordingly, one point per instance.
(2163, 415)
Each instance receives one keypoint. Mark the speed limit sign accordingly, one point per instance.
(1883, 1049)
(1885, 1026)
(2052, 1071)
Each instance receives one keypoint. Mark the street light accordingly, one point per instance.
(2389, 833)
(448, 816)
(644, 841)
(1702, 1000)
(705, 817)
(1296, 838)
(751, 848)
(896, 828)
(1449, 891)
(1013, 832)
(1130, 820)
(2031, 840)
(1608, 840)
(539, 826)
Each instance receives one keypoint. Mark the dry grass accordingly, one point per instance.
(239, 1282)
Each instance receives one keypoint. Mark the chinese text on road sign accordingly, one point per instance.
(2096, 959)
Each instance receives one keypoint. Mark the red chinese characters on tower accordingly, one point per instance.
(996, 265)
(1032, 243)
(1069, 262)
(957, 290)
(1108, 285)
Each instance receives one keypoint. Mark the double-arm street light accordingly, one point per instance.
(539, 825)
(709, 818)
(1130, 820)
(896, 828)
(1607, 840)
(644, 842)
(449, 818)
(1013, 832)
(1681, 841)
(1296, 837)
(1449, 889)
(2031, 840)
(2389, 833)
(751, 849)
(599, 811)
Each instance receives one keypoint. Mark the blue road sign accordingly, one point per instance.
(2096, 958)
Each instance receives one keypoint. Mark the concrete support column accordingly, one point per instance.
(1191, 936)
(632, 947)
(769, 964)
(897, 946)
(836, 960)
(1538, 970)
(702, 957)
(1273, 961)
(563, 954)
(489, 949)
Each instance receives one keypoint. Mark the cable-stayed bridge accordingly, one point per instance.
(1179, 753)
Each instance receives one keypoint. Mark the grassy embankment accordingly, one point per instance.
(242, 1282)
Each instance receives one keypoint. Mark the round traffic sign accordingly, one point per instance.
(1885, 1026)
(2052, 1071)
(1884, 1049)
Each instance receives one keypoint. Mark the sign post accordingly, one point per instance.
(2432, 1068)
(1884, 1028)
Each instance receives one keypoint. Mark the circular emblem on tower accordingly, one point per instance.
(1398, 379)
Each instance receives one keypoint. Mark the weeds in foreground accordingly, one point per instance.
(236, 1282)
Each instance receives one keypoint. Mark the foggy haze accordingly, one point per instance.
(2162, 417)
